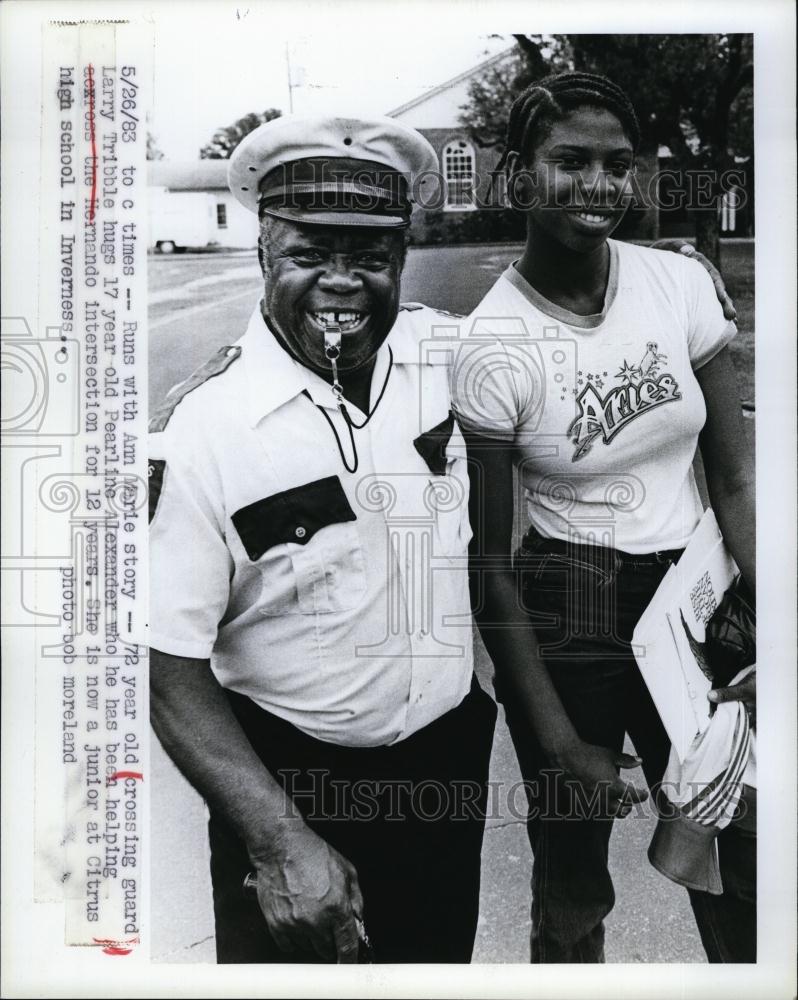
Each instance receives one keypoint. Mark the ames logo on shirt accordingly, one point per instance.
(642, 388)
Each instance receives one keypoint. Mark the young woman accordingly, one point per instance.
(594, 368)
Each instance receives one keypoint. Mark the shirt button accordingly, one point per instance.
(300, 532)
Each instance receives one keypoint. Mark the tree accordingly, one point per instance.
(153, 152)
(686, 89)
(492, 92)
(225, 140)
(693, 94)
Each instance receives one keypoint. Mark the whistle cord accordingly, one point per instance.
(377, 402)
(347, 466)
(351, 426)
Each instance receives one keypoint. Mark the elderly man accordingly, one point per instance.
(310, 629)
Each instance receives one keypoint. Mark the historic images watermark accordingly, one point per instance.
(321, 797)
(666, 188)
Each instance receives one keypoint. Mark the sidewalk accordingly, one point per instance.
(652, 920)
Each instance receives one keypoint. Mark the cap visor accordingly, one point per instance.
(367, 220)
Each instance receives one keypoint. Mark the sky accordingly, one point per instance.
(223, 62)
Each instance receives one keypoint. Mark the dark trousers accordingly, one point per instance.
(727, 923)
(584, 602)
(410, 817)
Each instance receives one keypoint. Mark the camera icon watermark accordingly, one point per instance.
(505, 376)
(40, 381)
(425, 538)
(41, 417)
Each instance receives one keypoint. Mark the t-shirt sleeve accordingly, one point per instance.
(494, 386)
(190, 563)
(708, 330)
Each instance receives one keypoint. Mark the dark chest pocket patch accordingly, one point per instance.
(431, 445)
(294, 515)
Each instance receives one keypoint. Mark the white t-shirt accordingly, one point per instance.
(603, 411)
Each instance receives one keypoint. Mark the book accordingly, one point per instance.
(668, 641)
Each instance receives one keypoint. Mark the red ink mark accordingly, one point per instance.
(93, 137)
(125, 774)
(113, 947)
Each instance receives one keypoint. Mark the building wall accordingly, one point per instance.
(483, 220)
(175, 216)
(232, 226)
(437, 110)
(241, 230)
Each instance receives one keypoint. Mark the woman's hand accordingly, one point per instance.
(744, 691)
(679, 246)
(596, 769)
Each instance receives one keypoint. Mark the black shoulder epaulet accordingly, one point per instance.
(415, 306)
(219, 363)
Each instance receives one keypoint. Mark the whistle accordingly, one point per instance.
(332, 341)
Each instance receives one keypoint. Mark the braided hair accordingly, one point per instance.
(552, 98)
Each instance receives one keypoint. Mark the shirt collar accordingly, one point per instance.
(559, 313)
(274, 377)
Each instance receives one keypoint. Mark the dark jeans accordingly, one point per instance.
(410, 818)
(584, 602)
(727, 923)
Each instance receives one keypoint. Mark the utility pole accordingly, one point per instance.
(290, 82)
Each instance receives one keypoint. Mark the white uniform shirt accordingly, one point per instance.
(603, 411)
(336, 601)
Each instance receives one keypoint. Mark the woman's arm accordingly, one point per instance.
(510, 639)
(729, 467)
(728, 462)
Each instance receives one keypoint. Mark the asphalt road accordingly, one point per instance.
(198, 303)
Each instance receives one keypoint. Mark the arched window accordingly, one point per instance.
(460, 176)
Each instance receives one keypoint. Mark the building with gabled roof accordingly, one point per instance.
(468, 205)
(440, 106)
(459, 213)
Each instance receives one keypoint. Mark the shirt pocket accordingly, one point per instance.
(307, 549)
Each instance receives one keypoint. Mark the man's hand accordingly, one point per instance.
(597, 768)
(679, 246)
(309, 896)
(744, 691)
